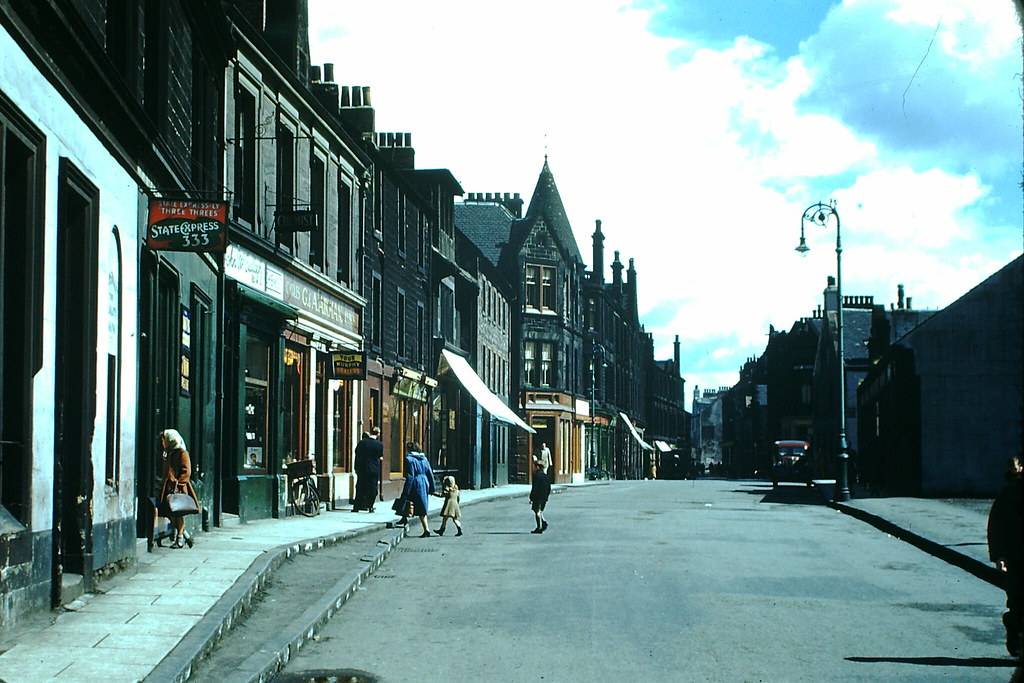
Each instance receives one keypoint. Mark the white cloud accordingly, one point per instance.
(700, 169)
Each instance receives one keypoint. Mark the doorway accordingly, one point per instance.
(75, 370)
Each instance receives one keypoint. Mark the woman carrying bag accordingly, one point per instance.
(177, 487)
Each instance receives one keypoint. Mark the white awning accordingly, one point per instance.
(636, 435)
(476, 387)
(662, 446)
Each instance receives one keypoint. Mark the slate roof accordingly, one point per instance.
(856, 332)
(547, 203)
(486, 225)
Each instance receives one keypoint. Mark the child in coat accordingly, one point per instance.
(450, 509)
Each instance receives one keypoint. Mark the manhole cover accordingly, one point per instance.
(327, 676)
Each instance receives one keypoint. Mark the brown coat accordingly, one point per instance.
(177, 475)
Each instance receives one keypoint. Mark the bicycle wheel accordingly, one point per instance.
(305, 497)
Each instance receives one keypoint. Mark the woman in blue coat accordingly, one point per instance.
(419, 483)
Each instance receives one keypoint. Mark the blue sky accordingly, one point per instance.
(698, 133)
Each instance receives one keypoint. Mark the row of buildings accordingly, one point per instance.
(934, 399)
(199, 229)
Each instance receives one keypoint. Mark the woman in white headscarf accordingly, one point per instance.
(177, 475)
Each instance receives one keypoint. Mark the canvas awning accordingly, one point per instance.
(476, 387)
(636, 435)
(662, 446)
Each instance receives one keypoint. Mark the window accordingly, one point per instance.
(540, 287)
(539, 363)
(401, 223)
(285, 181)
(400, 328)
(378, 310)
(344, 263)
(257, 385)
(420, 333)
(244, 198)
(317, 171)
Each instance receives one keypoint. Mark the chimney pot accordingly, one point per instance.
(328, 72)
(909, 299)
(314, 73)
(346, 96)
(366, 96)
(408, 139)
(357, 96)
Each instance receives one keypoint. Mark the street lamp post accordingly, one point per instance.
(595, 349)
(819, 214)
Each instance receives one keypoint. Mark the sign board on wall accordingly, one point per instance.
(181, 225)
(348, 364)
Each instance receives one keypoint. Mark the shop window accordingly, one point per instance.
(294, 404)
(257, 386)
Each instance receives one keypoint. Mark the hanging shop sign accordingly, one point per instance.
(181, 225)
(297, 220)
(348, 364)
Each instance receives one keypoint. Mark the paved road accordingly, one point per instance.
(667, 581)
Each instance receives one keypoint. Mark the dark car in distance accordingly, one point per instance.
(792, 463)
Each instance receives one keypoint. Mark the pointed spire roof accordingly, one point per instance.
(546, 203)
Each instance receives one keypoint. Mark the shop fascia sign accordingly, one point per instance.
(185, 225)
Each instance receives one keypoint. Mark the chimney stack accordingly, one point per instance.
(328, 72)
(617, 271)
(598, 257)
(899, 296)
(675, 354)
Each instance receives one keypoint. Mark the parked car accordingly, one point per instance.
(791, 463)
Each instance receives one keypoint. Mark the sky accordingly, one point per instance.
(699, 132)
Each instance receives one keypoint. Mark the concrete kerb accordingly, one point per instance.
(177, 666)
(969, 564)
(266, 662)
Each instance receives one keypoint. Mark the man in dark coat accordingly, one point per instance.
(369, 455)
(539, 493)
(1004, 549)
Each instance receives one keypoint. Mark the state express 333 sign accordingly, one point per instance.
(181, 225)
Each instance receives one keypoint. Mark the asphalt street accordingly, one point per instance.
(666, 581)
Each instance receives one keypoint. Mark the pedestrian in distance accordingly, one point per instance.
(543, 457)
(177, 470)
(419, 483)
(539, 492)
(1004, 549)
(369, 456)
(450, 509)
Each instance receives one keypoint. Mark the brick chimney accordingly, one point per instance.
(355, 112)
(397, 148)
(598, 241)
(287, 31)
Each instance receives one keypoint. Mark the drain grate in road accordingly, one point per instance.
(327, 676)
(383, 576)
(417, 550)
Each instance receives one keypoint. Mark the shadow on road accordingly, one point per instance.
(789, 495)
(939, 661)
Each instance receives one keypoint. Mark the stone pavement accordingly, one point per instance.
(156, 621)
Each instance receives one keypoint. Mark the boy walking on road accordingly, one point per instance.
(539, 493)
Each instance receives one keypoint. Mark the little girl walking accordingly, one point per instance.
(450, 509)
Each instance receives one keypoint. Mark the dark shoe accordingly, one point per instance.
(460, 533)
(370, 510)
(425, 534)
(355, 509)
(544, 525)
(439, 532)
(538, 530)
(188, 540)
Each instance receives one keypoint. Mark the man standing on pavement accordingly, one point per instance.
(539, 493)
(544, 458)
(1004, 549)
(369, 454)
